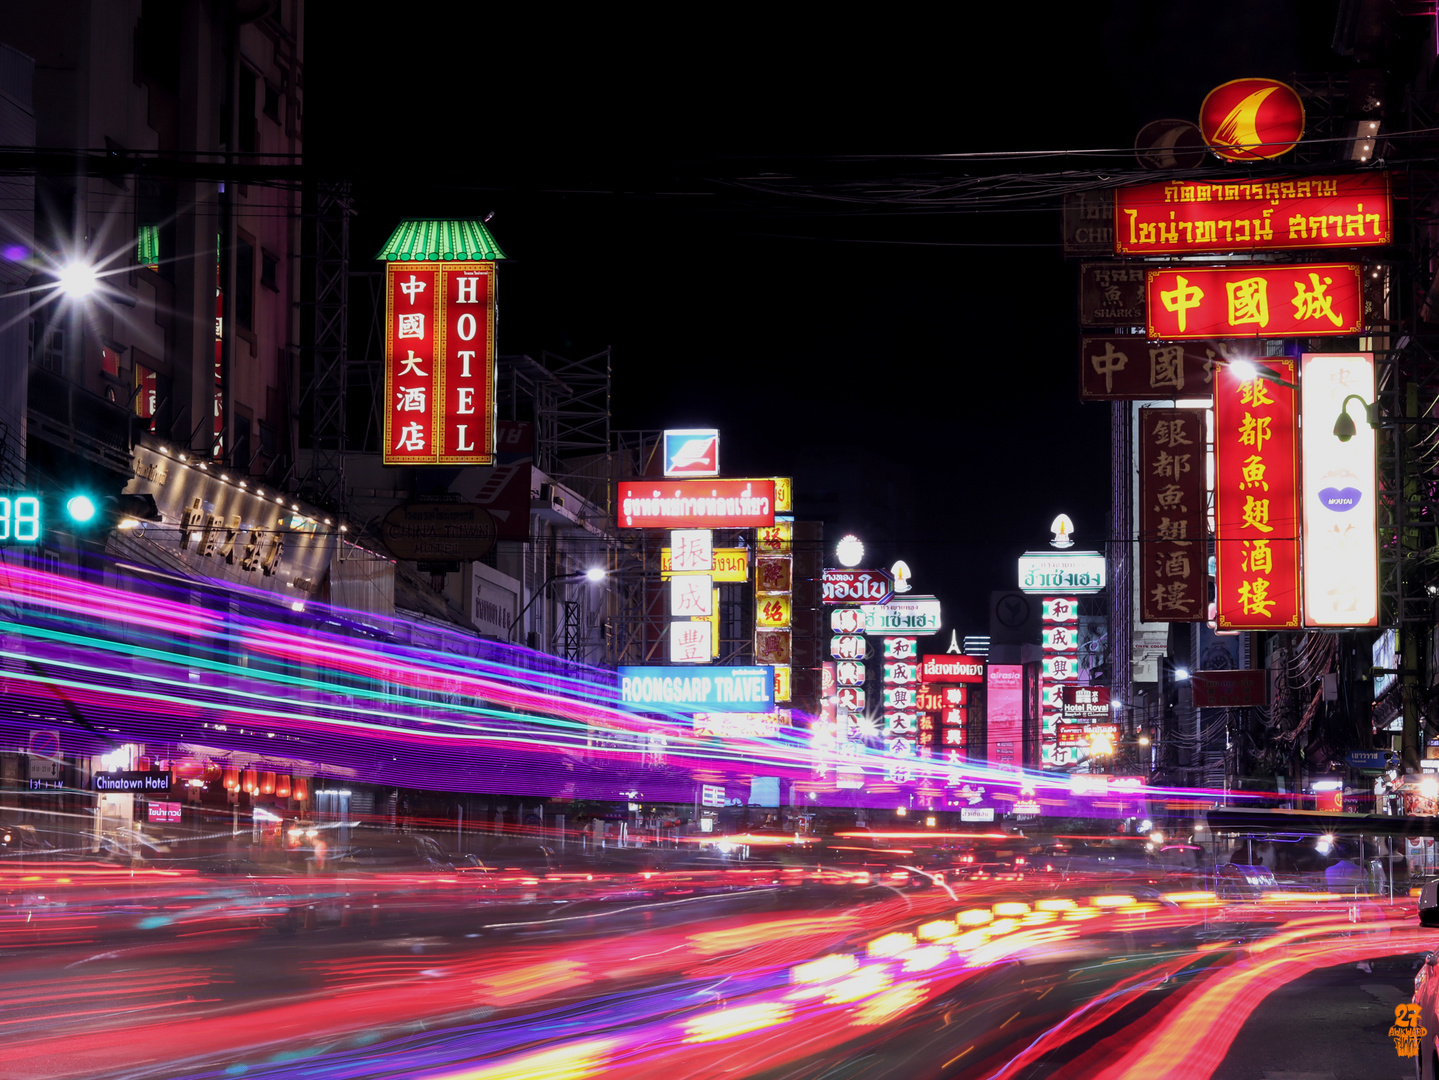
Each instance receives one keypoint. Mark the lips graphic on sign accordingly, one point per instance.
(1340, 499)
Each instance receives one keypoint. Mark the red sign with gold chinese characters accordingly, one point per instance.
(1187, 216)
(439, 363)
(1309, 300)
(1251, 119)
(1172, 553)
(1256, 498)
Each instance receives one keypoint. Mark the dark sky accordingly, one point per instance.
(914, 373)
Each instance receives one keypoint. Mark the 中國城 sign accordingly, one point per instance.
(1254, 300)
(706, 689)
(1061, 572)
(1190, 217)
(913, 614)
(695, 504)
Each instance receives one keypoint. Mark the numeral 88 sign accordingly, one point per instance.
(19, 519)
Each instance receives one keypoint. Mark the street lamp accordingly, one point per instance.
(1248, 371)
(849, 551)
(77, 279)
(593, 574)
(1344, 426)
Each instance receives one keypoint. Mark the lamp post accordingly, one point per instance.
(594, 573)
(1344, 425)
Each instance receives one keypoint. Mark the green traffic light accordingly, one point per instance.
(81, 508)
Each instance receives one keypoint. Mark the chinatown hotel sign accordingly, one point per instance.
(440, 344)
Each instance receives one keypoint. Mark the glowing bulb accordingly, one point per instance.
(849, 551)
(1246, 370)
(595, 573)
(77, 279)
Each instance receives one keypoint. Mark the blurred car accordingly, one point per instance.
(405, 852)
(23, 839)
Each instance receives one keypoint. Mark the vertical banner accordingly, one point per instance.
(1340, 538)
(1005, 715)
(1172, 553)
(439, 363)
(1256, 498)
(411, 379)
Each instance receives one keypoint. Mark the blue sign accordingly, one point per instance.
(1367, 759)
(701, 688)
(692, 452)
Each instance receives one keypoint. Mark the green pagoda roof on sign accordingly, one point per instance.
(440, 240)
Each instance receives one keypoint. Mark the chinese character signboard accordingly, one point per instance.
(728, 564)
(1256, 499)
(691, 452)
(696, 504)
(1257, 300)
(1341, 542)
(439, 363)
(1172, 554)
(1251, 119)
(773, 640)
(1189, 217)
(1111, 294)
(1127, 367)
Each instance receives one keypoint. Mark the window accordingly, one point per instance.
(245, 113)
(272, 101)
(245, 284)
(267, 440)
(53, 358)
(269, 269)
(109, 362)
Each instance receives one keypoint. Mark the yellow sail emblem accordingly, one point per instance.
(1237, 130)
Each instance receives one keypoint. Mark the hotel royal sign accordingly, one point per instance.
(440, 343)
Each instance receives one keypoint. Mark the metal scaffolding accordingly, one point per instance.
(324, 393)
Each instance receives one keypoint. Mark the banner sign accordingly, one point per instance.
(856, 586)
(439, 363)
(916, 614)
(1257, 300)
(1172, 507)
(1127, 367)
(730, 564)
(1256, 499)
(1111, 294)
(951, 668)
(710, 688)
(695, 504)
(1058, 572)
(1340, 540)
(1229, 689)
(1192, 217)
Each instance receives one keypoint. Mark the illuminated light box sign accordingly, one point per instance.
(939, 698)
(847, 647)
(127, 782)
(1060, 572)
(846, 621)
(1059, 638)
(691, 452)
(856, 586)
(1083, 735)
(1187, 216)
(696, 504)
(709, 689)
(1081, 703)
(1261, 300)
(848, 672)
(916, 614)
(439, 363)
(1060, 668)
(1251, 119)
(901, 648)
(1340, 545)
(901, 673)
(20, 519)
(729, 564)
(951, 668)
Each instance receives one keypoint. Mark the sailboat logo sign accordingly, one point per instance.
(1252, 119)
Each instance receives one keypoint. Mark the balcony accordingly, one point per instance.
(74, 419)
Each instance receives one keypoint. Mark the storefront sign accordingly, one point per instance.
(691, 642)
(1256, 499)
(1251, 119)
(691, 551)
(1111, 294)
(691, 595)
(1172, 507)
(772, 611)
(709, 689)
(695, 504)
(1061, 572)
(439, 363)
(1191, 217)
(1084, 703)
(438, 531)
(1087, 218)
(951, 668)
(916, 614)
(856, 587)
(163, 813)
(1085, 735)
(691, 452)
(1341, 541)
(772, 647)
(125, 781)
(1255, 300)
(729, 564)
(1126, 367)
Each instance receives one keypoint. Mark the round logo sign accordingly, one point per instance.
(1251, 119)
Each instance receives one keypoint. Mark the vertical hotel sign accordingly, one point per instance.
(1256, 498)
(1172, 553)
(439, 363)
(1341, 543)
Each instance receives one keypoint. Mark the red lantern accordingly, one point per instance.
(232, 779)
(267, 784)
(282, 787)
(250, 782)
(302, 789)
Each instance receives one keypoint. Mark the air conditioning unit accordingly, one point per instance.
(548, 495)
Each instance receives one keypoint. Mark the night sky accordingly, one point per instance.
(914, 372)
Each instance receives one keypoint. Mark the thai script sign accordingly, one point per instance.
(1172, 505)
(951, 668)
(1185, 216)
(917, 614)
(1059, 572)
(438, 531)
(729, 564)
(695, 504)
(1256, 499)
(716, 689)
(1304, 300)
(856, 586)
